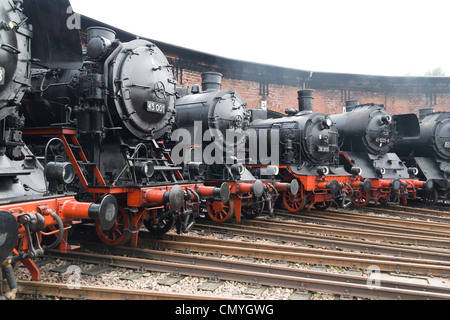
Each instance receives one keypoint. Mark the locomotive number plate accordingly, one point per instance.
(447, 144)
(156, 107)
(323, 149)
(382, 140)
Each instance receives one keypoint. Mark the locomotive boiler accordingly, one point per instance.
(367, 136)
(210, 117)
(309, 153)
(430, 153)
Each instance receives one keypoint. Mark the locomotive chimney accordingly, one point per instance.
(305, 100)
(99, 41)
(97, 32)
(211, 81)
(350, 105)
(424, 112)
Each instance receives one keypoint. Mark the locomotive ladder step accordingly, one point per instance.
(87, 163)
(167, 168)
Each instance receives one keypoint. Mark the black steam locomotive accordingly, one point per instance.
(430, 154)
(217, 121)
(309, 153)
(367, 135)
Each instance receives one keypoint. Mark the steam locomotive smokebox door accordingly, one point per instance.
(144, 90)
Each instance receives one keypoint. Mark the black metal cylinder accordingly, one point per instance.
(425, 111)
(351, 104)
(100, 32)
(211, 81)
(305, 100)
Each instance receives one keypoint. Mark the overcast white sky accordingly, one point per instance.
(384, 37)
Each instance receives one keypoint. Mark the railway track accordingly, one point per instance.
(330, 242)
(214, 268)
(287, 253)
(419, 213)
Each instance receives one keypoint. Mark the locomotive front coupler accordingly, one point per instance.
(185, 220)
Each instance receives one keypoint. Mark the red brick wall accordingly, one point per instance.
(328, 101)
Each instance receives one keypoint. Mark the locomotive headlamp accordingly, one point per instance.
(59, 172)
(238, 169)
(323, 170)
(413, 171)
(386, 119)
(356, 171)
(144, 169)
(196, 168)
(380, 171)
(327, 123)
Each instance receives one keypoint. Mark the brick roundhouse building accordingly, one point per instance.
(277, 86)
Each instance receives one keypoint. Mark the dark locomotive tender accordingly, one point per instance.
(309, 153)
(210, 116)
(367, 135)
(430, 154)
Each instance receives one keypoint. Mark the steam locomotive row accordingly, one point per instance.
(87, 134)
(309, 153)
(367, 135)
(429, 152)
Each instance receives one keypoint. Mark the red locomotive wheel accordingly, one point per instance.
(294, 203)
(119, 234)
(360, 199)
(220, 212)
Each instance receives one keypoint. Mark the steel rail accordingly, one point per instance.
(257, 278)
(98, 293)
(328, 242)
(382, 220)
(350, 222)
(350, 233)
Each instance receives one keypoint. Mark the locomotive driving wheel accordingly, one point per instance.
(220, 212)
(294, 203)
(430, 197)
(360, 198)
(119, 234)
